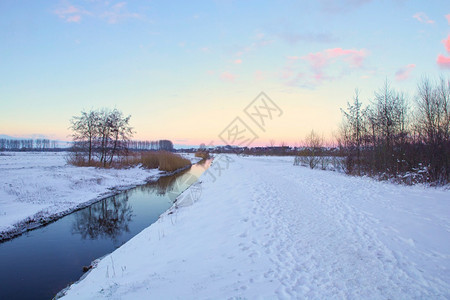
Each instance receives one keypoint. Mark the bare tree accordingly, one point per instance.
(353, 131)
(432, 125)
(102, 134)
(85, 130)
(314, 144)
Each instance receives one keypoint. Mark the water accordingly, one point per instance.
(41, 262)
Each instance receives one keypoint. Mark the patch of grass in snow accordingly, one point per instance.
(202, 153)
(79, 160)
(165, 161)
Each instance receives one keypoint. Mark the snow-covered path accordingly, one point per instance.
(267, 229)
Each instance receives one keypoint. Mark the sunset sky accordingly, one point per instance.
(185, 69)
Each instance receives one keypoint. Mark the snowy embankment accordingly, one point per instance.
(38, 187)
(267, 229)
(191, 157)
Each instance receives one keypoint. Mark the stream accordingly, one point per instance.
(41, 262)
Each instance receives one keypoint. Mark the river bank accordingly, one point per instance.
(39, 187)
(263, 228)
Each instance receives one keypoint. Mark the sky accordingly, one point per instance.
(193, 71)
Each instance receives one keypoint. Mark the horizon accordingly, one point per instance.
(180, 146)
(185, 72)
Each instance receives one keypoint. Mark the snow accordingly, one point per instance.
(37, 187)
(191, 157)
(263, 228)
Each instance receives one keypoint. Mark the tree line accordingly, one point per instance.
(27, 144)
(398, 137)
(164, 145)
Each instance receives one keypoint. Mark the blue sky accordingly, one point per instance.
(185, 70)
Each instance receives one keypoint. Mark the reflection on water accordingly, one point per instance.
(105, 219)
(174, 186)
(164, 184)
(110, 217)
(39, 263)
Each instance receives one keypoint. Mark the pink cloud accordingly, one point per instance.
(443, 61)
(227, 76)
(70, 9)
(74, 18)
(238, 61)
(119, 12)
(70, 13)
(319, 60)
(423, 18)
(333, 6)
(404, 72)
(119, 5)
(326, 65)
(446, 43)
(448, 18)
(111, 13)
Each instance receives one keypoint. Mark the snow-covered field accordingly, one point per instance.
(38, 187)
(263, 228)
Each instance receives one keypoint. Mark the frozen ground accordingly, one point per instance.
(267, 229)
(191, 157)
(38, 187)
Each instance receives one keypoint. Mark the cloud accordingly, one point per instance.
(446, 43)
(70, 13)
(404, 72)
(337, 6)
(318, 60)
(423, 18)
(323, 66)
(448, 18)
(112, 13)
(238, 61)
(259, 41)
(227, 76)
(294, 38)
(119, 12)
(75, 18)
(443, 61)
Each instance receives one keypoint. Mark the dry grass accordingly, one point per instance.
(165, 161)
(202, 154)
(79, 160)
(148, 160)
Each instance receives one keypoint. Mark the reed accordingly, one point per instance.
(165, 161)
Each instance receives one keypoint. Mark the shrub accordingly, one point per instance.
(202, 154)
(79, 160)
(165, 161)
(149, 160)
